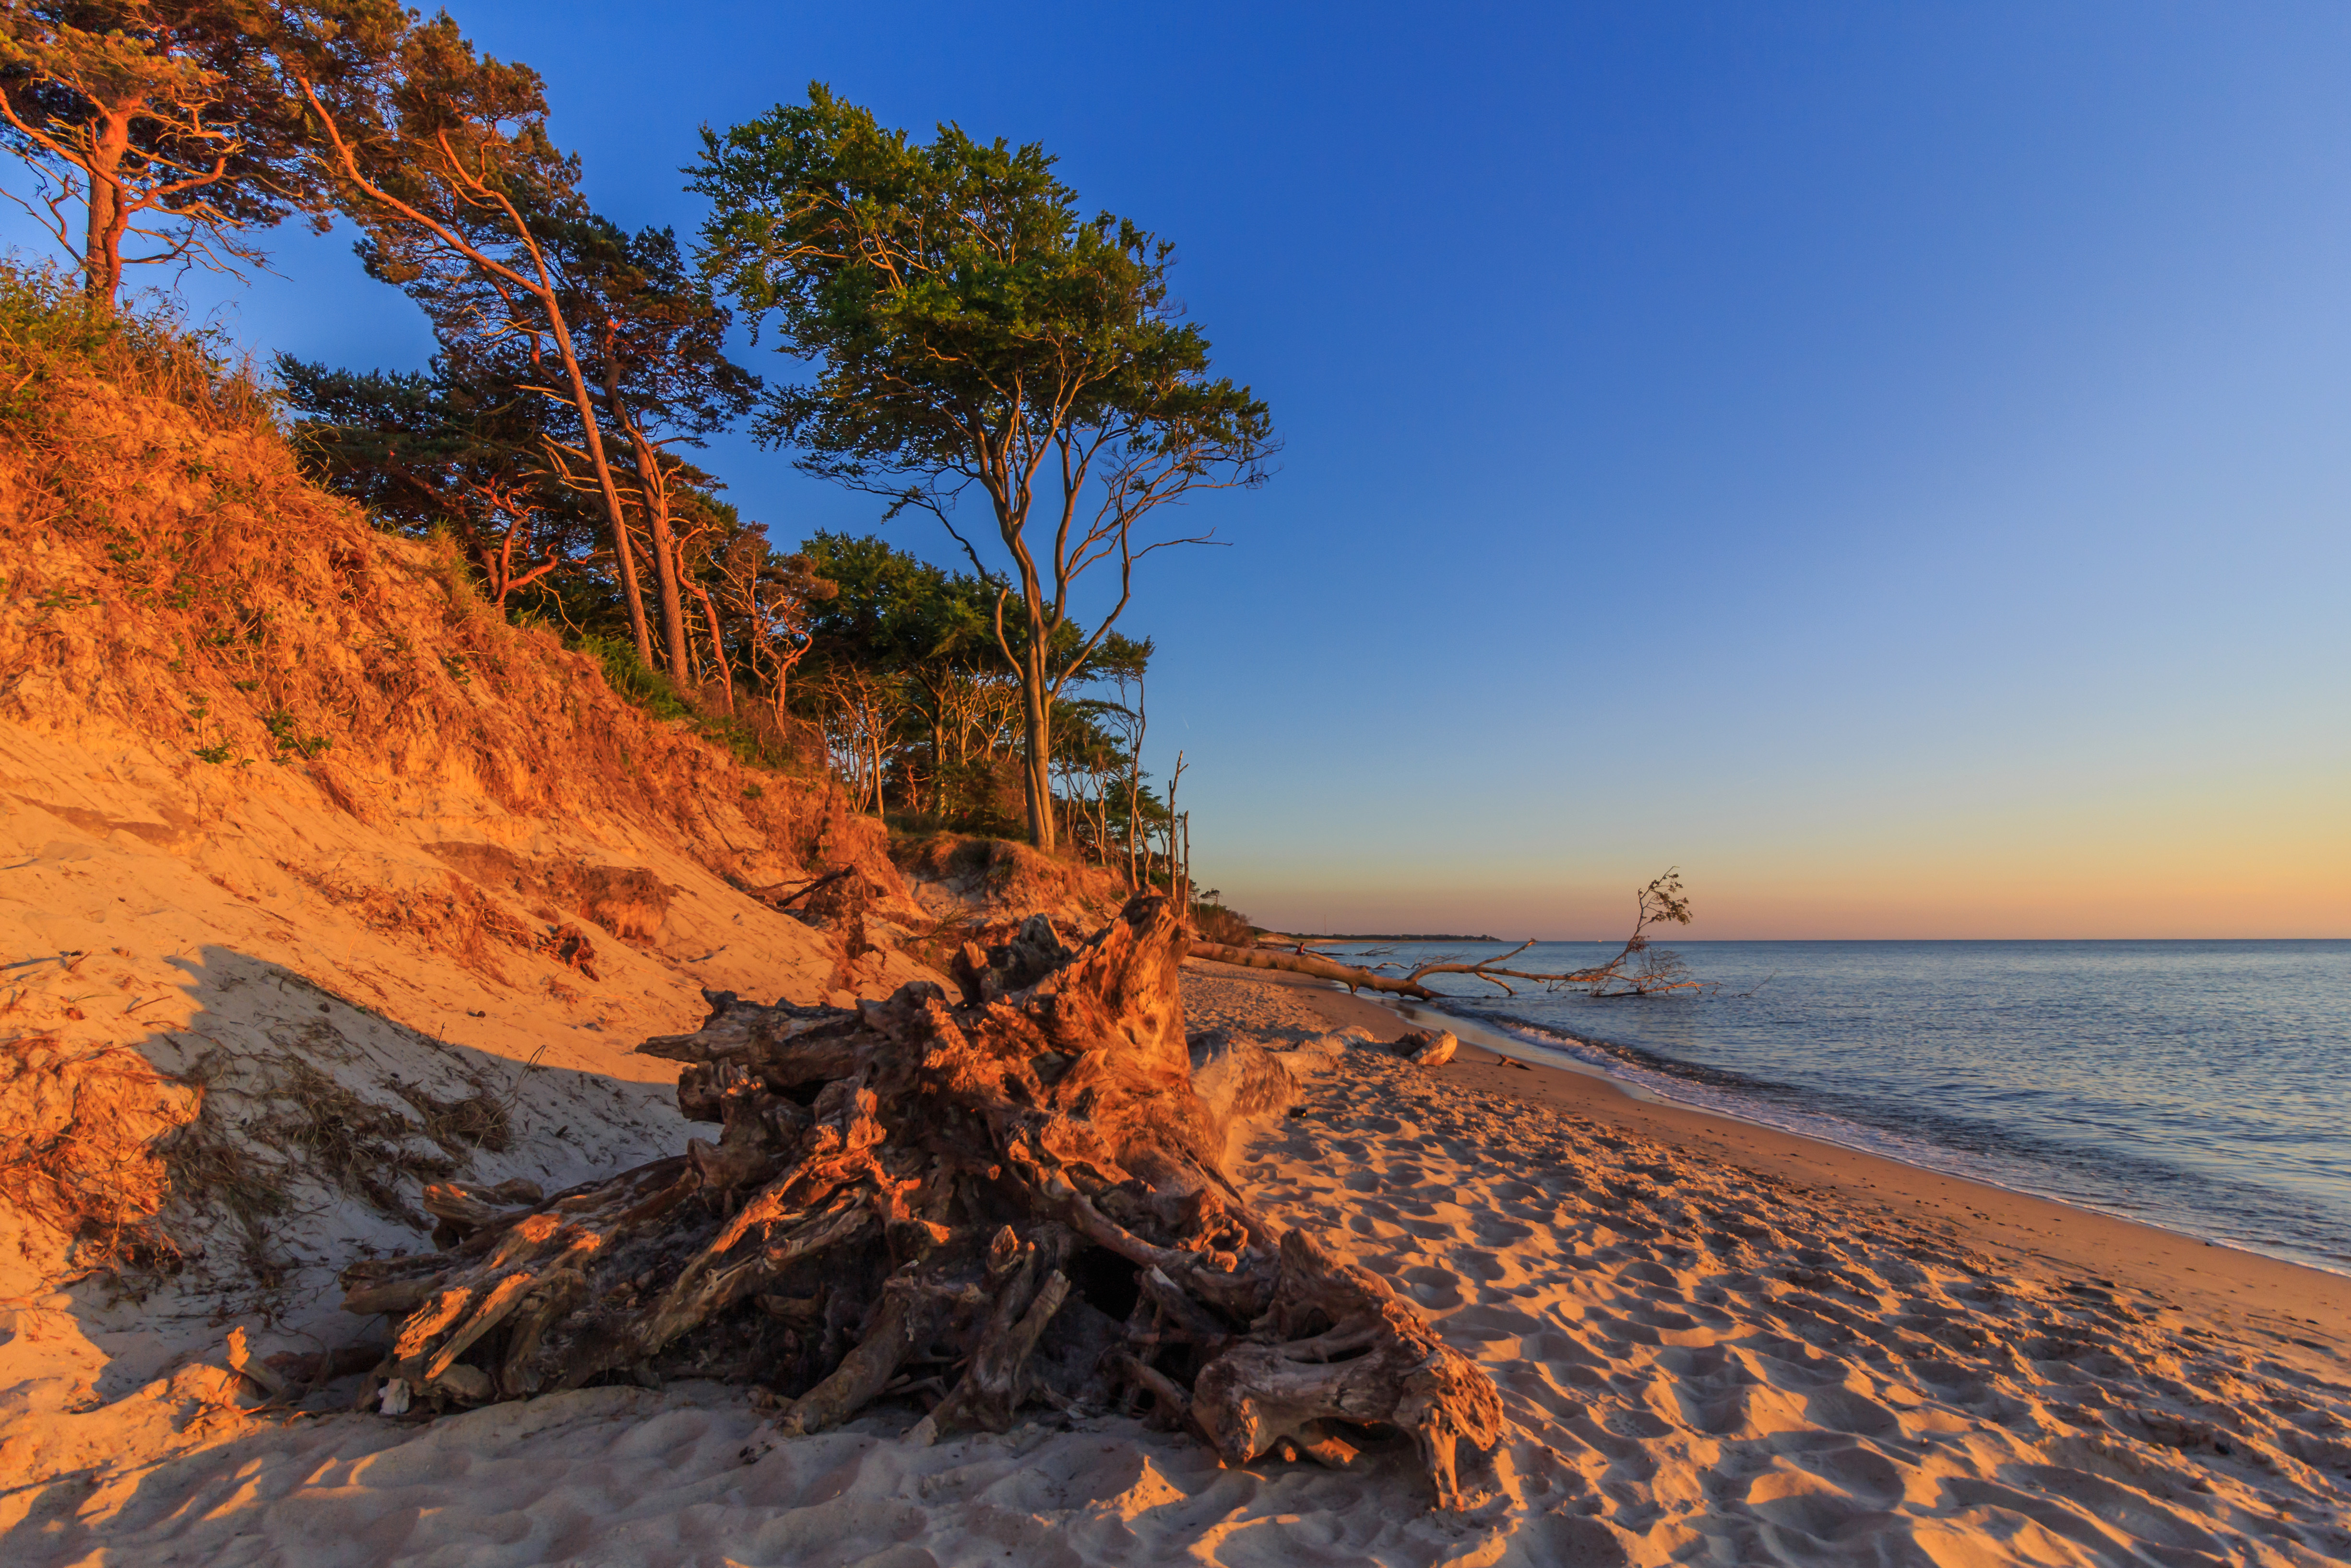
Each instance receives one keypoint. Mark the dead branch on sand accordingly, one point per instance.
(1638, 968)
(1010, 1195)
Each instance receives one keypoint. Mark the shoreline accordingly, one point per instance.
(1534, 1053)
(2284, 1302)
(1708, 1342)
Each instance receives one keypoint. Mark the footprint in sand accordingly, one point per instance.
(1433, 1286)
(1843, 1410)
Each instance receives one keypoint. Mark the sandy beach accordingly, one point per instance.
(1714, 1344)
(2281, 1302)
(548, 1020)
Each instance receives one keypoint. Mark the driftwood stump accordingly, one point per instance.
(976, 1205)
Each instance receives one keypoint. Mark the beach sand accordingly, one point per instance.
(1716, 1343)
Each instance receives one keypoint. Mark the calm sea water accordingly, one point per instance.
(2202, 1086)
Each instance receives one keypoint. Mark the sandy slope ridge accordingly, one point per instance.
(1700, 1366)
(319, 880)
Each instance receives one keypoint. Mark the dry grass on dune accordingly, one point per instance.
(173, 573)
(82, 1140)
(309, 851)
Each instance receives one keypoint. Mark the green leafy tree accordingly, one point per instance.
(173, 124)
(656, 343)
(899, 628)
(458, 448)
(447, 164)
(969, 327)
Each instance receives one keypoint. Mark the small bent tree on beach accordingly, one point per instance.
(1639, 968)
(970, 328)
(979, 1201)
(1642, 967)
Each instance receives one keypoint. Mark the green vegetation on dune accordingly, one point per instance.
(548, 449)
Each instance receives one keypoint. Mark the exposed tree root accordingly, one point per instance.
(1016, 1198)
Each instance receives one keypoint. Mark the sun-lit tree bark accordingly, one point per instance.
(447, 164)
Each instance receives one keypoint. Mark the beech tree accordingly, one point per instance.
(970, 328)
(174, 123)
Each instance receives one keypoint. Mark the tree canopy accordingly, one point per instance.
(445, 159)
(174, 123)
(970, 327)
(961, 332)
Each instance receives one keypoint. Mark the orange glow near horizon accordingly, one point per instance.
(2278, 873)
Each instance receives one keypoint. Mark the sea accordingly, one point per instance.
(2204, 1086)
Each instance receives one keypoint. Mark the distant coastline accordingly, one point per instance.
(1390, 938)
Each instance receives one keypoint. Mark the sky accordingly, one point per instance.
(1888, 461)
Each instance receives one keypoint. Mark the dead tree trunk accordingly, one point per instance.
(1639, 969)
(1005, 1197)
(1347, 975)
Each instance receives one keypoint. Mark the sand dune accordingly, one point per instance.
(1701, 1364)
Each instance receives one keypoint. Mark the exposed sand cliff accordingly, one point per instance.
(310, 857)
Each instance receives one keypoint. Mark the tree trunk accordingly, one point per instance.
(623, 553)
(652, 487)
(1134, 790)
(1308, 964)
(106, 219)
(718, 649)
(783, 666)
(665, 585)
(1036, 741)
(542, 289)
(991, 1186)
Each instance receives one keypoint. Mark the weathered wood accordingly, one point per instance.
(1427, 1047)
(918, 1184)
(1349, 975)
(1174, 1403)
(999, 960)
(1338, 1344)
(865, 1371)
(1638, 968)
(998, 1383)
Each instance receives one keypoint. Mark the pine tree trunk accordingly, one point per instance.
(105, 220)
(718, 649)
(654, 492)
(624, 555)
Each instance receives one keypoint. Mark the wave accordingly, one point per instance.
(1963, 1148)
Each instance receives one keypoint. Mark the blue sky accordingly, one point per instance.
(1889, 460)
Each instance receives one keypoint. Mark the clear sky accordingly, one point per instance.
(1889, 460)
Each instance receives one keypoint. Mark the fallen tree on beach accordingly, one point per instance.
(1638, 968)
(978, 1202)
